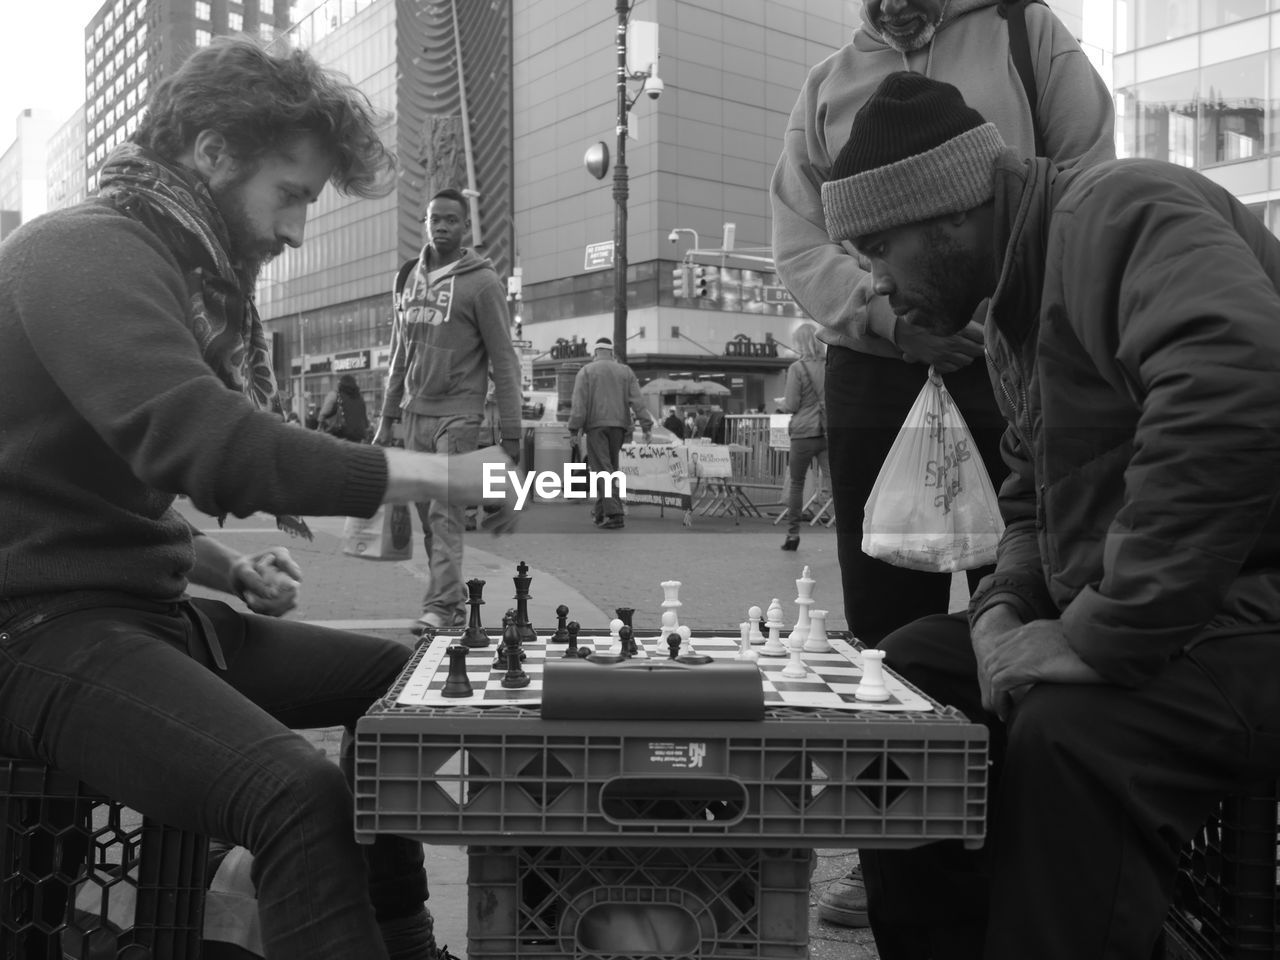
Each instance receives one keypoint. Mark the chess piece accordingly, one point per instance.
(571, 638)
(615, 625)
(817, 641)
(562, 631)
(475, 635)
(754, 616)
(522, 581)
(515, 677)
(625, 614)
(872, 687)
(686, 641)
(457, 683)
(804, 600)
(671, 601)
(668, 625)
(745, 653)
(626, 646)
(585, 650)
(795, 668)
(673, 644)
(774, 647)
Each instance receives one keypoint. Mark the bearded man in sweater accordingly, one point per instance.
(133, 367)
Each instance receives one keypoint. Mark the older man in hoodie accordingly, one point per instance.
(876, 360)
(451, 330)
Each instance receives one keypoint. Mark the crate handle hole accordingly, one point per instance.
(644, 929)
(714, 801)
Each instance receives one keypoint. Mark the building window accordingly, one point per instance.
(202, 10)
(266, 32)
(267, 7)
(203, 37)
(235, 22)
(1232, 110)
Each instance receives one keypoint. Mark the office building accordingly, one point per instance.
(67, 176)
(23, 171)
(1196, 85)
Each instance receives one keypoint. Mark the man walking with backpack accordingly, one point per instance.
(451, 328)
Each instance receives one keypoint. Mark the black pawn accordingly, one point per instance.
(628, 643)
(673, 644)
(515, 676)
(457, 683)
(583, 651)
(475, 635)
(562, 633)
(571, 637)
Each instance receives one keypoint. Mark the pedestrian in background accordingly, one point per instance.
(343, 413)
(877, 361)
(451, 328)
(605, 394)
(803, 396)
(674, 424)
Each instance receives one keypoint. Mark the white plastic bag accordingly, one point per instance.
(933, 506)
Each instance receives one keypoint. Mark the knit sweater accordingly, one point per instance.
(107, 410)
(971, 51)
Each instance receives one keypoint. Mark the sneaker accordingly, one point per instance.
(613, 523)
(844, 902)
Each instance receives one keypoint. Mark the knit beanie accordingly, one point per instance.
(916, 151)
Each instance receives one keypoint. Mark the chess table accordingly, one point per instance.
(674, 826)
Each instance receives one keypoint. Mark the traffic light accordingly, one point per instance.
(703, 278)
(681, 281)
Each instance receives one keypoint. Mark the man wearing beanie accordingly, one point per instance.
(876, 363)
(1126, 649)
(605, 392)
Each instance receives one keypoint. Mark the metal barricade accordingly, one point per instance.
(756, 465)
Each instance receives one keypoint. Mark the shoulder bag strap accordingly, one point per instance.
(1015, 12)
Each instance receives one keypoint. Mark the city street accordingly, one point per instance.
(724, 569)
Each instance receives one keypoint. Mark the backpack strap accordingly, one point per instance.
(1015, 12)
(402, 277)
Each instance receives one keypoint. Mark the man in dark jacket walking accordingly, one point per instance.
(605, 393)
(1126, 648)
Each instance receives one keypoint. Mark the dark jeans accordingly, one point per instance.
(127, 700)
(1094, 790)
(804, 450)
(604, 453)
(867, 400)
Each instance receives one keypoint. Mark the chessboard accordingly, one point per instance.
(828, 684)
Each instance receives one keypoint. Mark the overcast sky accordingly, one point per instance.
(41, 58)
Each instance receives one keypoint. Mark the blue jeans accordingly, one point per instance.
(127, 699)
(804, 450)
(442, 522)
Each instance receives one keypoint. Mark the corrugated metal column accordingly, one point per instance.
(472, 194)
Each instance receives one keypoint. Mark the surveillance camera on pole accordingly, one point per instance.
(653, 86)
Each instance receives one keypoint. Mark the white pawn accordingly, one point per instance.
(754, 616)
(745, 652)
(795, 667)
(872, 687)
(668, 628)
(774, 646)
(686, 641)
(817, 641)
(615, 638)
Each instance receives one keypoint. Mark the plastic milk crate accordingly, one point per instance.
(624, 903)
(83, 877)
(803, 777)
(1227, 899)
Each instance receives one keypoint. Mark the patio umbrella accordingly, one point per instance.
(660, 386)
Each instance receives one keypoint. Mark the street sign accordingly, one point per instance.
(776, 294)
(598, 256)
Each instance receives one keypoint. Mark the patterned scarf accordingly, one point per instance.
(176, 205)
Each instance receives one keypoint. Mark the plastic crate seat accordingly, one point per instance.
(82, 876)
(1227, 899)
(625, 903)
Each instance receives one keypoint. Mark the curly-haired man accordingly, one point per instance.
(133, 366)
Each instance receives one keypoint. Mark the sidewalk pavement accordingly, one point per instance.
(724, 567)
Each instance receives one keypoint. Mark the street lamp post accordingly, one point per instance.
(620, 194)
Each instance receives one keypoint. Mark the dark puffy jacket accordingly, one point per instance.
(1144, 409)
